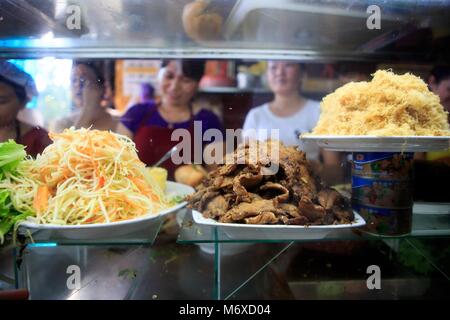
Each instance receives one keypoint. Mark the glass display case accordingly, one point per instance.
(179, 253)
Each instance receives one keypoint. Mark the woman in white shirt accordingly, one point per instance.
(289, 112)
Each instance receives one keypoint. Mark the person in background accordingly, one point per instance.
(151, 124)
(434, 166)
(355, 72)
(147, 93)
(439, 82)
(289, 112)
(88, 90)
(17, 88)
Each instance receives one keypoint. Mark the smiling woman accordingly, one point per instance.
(151, 125)
(289, 113)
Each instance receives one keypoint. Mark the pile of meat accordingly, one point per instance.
(247, 189)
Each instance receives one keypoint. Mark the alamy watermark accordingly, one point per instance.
(73, 19)
(374, 19)
(74, 280)
(74, 16)
(374, 280)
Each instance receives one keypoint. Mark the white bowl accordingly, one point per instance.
(136, 228)
(238, 231)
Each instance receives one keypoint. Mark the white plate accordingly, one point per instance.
(275, 232)
(107, 230)
(379, 144)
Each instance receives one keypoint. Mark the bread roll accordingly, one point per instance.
(190, 174)
(199, 24)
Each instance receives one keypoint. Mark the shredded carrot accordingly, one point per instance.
(88, 176)
(40, 202)
(101, 182)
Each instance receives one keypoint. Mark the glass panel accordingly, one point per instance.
(7, 276)
(229, 89)
(124, 272)
(177, 272)
(217, 250)
(424, 225)
(347, 270)
(52, 77)
(240, 264)
(325, 270)
(224, 29)
(426, 254)
(145, 234)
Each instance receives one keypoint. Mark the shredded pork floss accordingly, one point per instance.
(389, 105)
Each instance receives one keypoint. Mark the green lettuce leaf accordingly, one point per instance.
(11, 154)
(8, 223)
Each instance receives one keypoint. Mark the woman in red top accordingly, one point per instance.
(16, 89)
(151, 125)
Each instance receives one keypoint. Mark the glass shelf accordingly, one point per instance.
(434, 223)
(233, 269)
(410, 268)
(429, 220)
(47, 238)
(162, 271)
(66, 49)
(411, 265)
(219, 266)
(285, 29)
(338, 270)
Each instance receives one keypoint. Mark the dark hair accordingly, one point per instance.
(354, 67)
(20, 92)
(193, 69)
(441, 73)
(95, 66)
(301, 65)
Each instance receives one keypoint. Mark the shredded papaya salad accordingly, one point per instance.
(84, 177)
